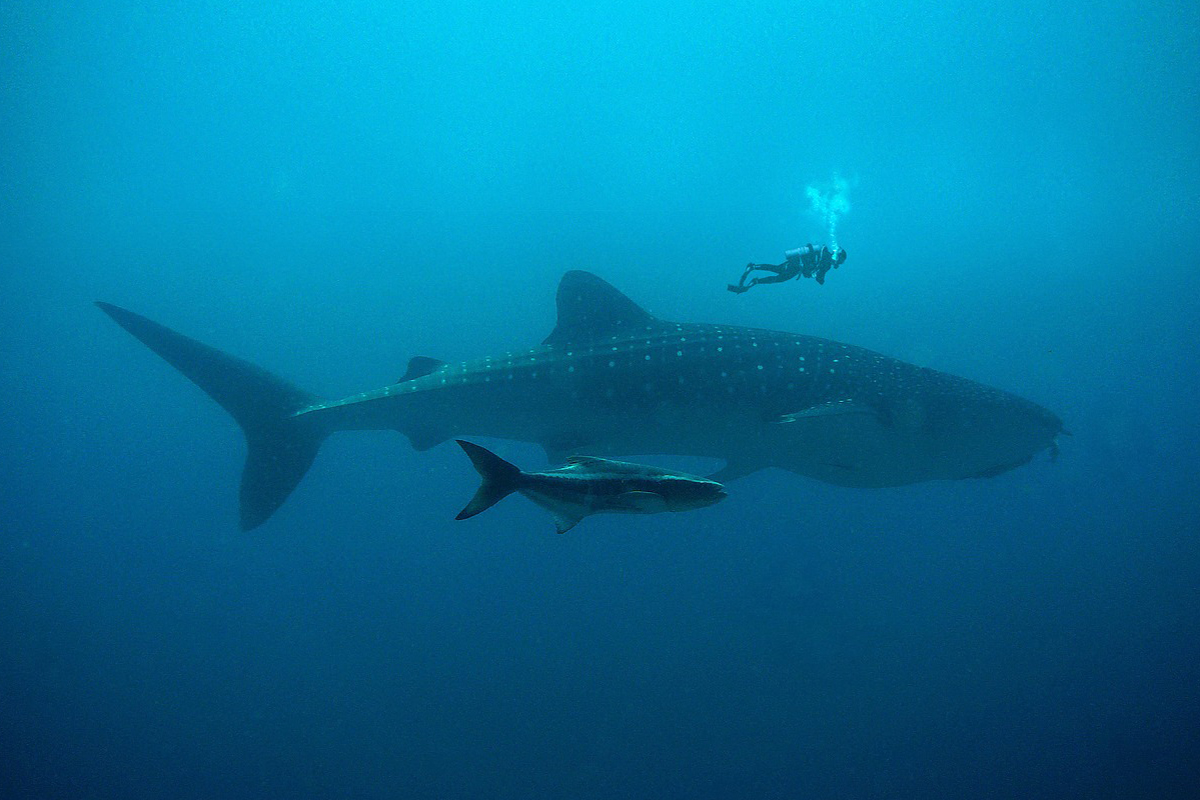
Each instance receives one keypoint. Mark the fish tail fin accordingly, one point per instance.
(500, 479)
(280, 447)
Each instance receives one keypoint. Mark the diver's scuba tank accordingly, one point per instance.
(802, 259)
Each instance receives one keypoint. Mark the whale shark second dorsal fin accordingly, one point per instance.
(590, 308)
(420, 366)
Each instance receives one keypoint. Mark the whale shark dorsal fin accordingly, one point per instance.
(590, 308)
(420, 366)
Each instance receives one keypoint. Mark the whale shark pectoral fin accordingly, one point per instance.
(423, 439)
(554, 455)
(559, 446)
(834, 408)
(735, 468)
(640, 502)
(1000, 469)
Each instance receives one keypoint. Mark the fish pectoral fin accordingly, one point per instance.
(834, 408)
(641, 502)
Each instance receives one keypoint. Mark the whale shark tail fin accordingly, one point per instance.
(280, 447)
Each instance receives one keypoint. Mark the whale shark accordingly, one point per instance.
(613, 380)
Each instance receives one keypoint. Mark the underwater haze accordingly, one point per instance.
(328, 189)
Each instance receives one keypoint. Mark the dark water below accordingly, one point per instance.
(329, 190)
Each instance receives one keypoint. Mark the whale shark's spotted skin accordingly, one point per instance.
(613, 380)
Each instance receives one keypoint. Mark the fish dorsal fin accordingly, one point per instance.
(608, 465)
(588, 461)
(590, 308)
(420, 366)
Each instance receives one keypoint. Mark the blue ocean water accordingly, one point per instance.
(327, 189)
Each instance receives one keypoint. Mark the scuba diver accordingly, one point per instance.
(807, 261)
